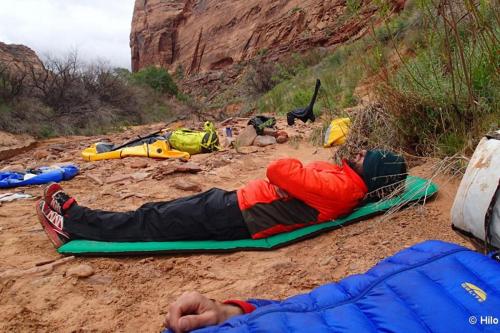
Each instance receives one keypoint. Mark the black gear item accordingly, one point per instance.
(306, 113)
(261, 122)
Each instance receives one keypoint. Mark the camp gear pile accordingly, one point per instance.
(180, 143)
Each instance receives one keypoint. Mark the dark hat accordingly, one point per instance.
(383, 172)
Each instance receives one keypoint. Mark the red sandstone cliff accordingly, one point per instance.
(18, 56)
(202, 35)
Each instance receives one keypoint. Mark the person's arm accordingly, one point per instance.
(305, 184)
(193, 310)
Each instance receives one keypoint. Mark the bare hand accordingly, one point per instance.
(193, 310)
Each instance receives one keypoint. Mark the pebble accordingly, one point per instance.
(81, 271)
(188, 167)
(139, 164)
(117, 178)
(185, 185)
(247, 150)
(138, 176)
(40, 154)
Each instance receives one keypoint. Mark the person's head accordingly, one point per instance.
(382, 171)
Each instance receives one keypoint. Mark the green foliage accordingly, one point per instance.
(156, 78)
(262, 52)
(339, 73)
(447, 95)
(440, 87)
(353, 5)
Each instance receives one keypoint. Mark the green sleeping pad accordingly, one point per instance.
(417, 189)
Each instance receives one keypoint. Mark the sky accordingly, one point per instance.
(96, 29)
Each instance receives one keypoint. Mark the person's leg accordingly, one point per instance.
(213, 214)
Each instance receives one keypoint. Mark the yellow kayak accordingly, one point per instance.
(157, 149)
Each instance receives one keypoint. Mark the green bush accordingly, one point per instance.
(444, 104)
(157, 78)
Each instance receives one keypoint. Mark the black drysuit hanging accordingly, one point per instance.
(306, 113)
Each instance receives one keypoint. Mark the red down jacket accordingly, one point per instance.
(296, 196)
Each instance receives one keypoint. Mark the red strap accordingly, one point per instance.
(68, 204)
(245, 306)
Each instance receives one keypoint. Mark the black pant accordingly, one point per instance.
(213, 214)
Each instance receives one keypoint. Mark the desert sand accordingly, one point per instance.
(131, 293)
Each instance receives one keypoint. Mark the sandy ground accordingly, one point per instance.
(131, 294)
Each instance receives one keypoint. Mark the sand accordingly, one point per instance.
(131, 294)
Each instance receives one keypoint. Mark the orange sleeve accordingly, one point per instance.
(306, 184)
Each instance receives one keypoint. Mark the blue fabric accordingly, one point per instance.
(425, 288)
(43, 175)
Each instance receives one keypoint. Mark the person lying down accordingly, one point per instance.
(292, 197)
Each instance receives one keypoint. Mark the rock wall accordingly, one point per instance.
(202, 35)
(18, 56)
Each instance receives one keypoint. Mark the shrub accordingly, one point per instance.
(259, 77)
(447, 95)
(156, 78)
(64, 96)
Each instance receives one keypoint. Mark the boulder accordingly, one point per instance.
(264, 140)
(246, 137)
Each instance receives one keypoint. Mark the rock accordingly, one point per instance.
(246, 137)
(88, 167)
(186, 185)
(329, 261)
(269, 131)
(40, 154)
(188, 167)
(281, 137)
(138, 164)
(162, 171)
(57, 148)
(14, 167)
(100, 280)
(94, 178)
(80, 271)
(247, 150)
(138, 176)
(169, 34)
(219, 162)
(264, 140)
(118, 178)
(229, 141)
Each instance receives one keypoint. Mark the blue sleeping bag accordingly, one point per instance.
(43, 175)
(431, 287)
